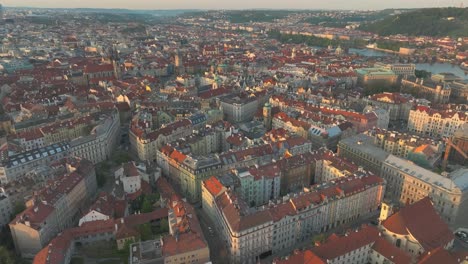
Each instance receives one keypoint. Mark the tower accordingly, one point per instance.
(386, 211)
(178, 63)
(267, 119)
(293, 53)
(115, 60)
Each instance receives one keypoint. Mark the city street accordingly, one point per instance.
(218, 251)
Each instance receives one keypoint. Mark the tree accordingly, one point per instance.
(318, 238)
(19, 207)
(164, 226)
(6, 257)
(145, 231)
(147, 206)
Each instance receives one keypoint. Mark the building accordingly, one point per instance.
(398, 105)
(398, 69)
(61, 249)
(238, 108)
(105, 207)
(363, 245)
(416, 228)
(16, 166)
(185, 242)
(408, 183)
(437, 92)
(145, 142)
(252, 235)
(435, 123)
(424, 151)
(260, 184)
(100, 143)
(129, 176)
(376, 76)
(362, 151)
(54, 208)
(458, 154)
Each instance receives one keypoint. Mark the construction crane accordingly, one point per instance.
(448, 149)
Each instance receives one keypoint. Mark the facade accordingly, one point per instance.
(259, 185)
(435, 123)
(437, 92)
(237, 109)
(145, 142)
(18, 165)
(398, 105)
(254, 234)
(103, 139)
(408, 183)
(375, 76)
(53, 209)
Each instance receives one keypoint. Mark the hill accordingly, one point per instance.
(437, 22)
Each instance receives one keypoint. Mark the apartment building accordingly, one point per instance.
(408, 183)
(238, 108)
(97, 146)
(398, 105)
(17, 165)
(260, 184)
(425, 151)
(145, 143)
(252, 234)
(54, 208)
(435, 123)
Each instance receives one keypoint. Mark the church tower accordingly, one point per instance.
(115, 60)
(267, 118)
(386, 211)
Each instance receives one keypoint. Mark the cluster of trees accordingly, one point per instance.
(256, 16)
(315, 41)
(423, 22)
(145, 202)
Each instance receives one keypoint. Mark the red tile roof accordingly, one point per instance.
(421, 220)
(338, 246)
(301, 257)
(213, 185)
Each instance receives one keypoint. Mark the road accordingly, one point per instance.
(218, 251)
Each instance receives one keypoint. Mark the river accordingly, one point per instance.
(430, 67)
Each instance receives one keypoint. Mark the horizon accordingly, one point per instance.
(294, 5)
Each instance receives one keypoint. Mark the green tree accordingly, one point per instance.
(19, 207)
(147, 206)
(164, 226)
(6, 257)
(145, 231)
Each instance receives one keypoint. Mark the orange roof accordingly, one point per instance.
(305, 257)
(339, 246)
(213, 185)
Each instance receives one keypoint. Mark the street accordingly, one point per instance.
(218, 251)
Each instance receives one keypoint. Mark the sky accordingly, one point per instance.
(236, 4)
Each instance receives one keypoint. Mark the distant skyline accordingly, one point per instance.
(238, 4)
